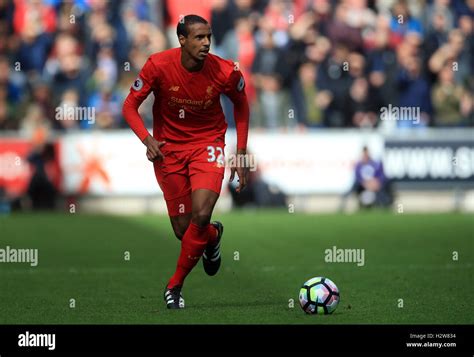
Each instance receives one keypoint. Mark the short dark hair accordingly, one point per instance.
(182, 28)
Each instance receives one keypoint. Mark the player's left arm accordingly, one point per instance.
(235, 90)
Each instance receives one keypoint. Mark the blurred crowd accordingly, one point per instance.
(308, 63)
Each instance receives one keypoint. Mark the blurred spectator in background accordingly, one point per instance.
(403, 23)
(7, 110)
(101, 46)
(106, 72)
(258, 193)
(452, 102)
(10, 95)
(245, 53)
(314, 115)
(146, 39)
(35, 22)
(414, 93)
(455, 53)
(34, 48)
(108, 108)
(41, 94)
(65, 113)
(344, 28)
(362, 103)
(41, 14)
(70, 18)
(33, 120)
(333, 82)
(439, 20)
(382, 63)
(67, 68)
(268, 72)
(6, 26)
(223, 28)
(41, 188)
(371, 186)
(239, 45)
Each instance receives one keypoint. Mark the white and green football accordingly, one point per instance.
(319, 296)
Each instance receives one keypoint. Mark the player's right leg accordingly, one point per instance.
(176, 189)
(180, 217)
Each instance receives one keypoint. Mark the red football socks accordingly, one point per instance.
(193, 245)
(212, 232)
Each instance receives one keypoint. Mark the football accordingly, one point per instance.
(319, 296)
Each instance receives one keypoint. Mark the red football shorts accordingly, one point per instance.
(182, 172)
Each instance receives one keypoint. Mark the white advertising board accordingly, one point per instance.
(114, 163)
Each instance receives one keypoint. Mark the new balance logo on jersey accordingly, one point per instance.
(174, 88)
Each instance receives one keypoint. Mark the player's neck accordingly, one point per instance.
(190, 64)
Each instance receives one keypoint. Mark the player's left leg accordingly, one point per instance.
(204, 201)
(199, 233)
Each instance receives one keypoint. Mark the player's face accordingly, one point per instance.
(198, 42)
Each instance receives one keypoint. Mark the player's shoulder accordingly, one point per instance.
(225, 63)
(164, 57)
(225, 66)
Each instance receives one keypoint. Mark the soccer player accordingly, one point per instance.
(187, 145)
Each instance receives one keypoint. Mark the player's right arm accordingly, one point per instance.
(140, 89)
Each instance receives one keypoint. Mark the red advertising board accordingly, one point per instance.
(15, 171)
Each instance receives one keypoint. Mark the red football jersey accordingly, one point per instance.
(187, 109)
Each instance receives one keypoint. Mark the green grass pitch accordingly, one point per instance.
(82, 257)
